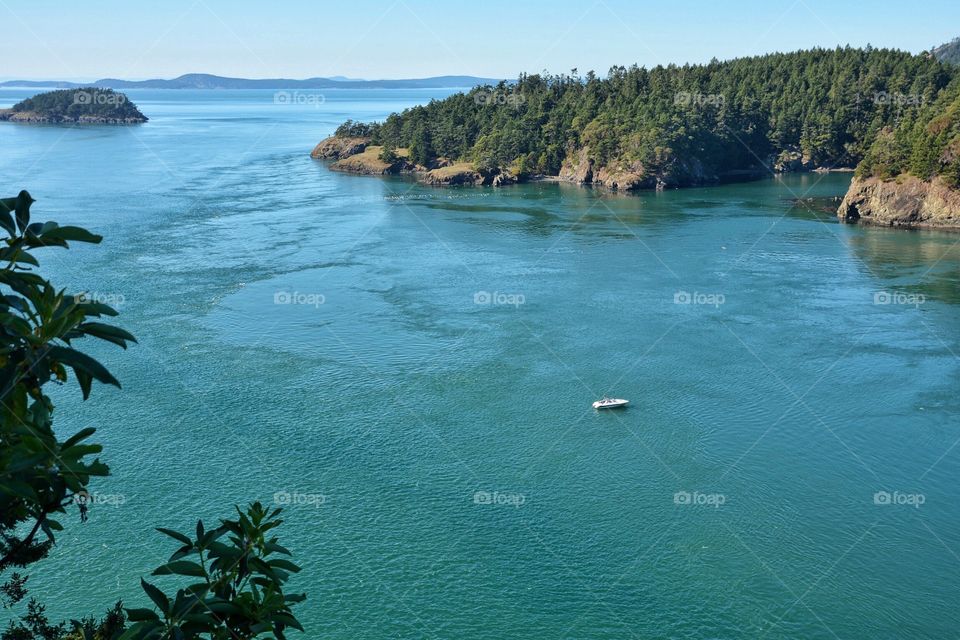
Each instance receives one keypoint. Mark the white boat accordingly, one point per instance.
(610, 403)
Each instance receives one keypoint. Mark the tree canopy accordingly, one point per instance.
(77, 104)
(683, 123)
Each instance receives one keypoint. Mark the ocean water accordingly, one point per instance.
(411, 369)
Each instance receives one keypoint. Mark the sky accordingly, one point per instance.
(53, 39)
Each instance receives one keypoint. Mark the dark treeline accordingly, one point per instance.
(77, 103)
(682, 123)
(926, 143)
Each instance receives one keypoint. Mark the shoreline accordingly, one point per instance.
(929, 206)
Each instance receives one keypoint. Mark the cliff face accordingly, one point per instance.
(335, 147)
(357, 155)
(580, 167)
(904, 202)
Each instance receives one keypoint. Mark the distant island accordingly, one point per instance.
(207, 81)
(886, 112)
(89, 105)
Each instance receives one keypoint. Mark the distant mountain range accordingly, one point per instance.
(207, 81)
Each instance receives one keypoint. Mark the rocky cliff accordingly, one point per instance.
(336, 147)
(903, 202)
(358, 155)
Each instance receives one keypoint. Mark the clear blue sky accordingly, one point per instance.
(47, 39)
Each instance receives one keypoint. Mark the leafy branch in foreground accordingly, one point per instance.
(40, 475)
(239, 578)
(238, 588)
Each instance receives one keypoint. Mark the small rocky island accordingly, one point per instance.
(90, 105)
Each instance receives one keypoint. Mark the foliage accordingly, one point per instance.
(678, 121)
(40, 474)
(36, 626)
(926, 145)
(352, 129)
(237, 585)
(74, 104)
(239, 591)
(388, 155)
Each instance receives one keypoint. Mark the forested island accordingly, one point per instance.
(89, 105)
(888, 113)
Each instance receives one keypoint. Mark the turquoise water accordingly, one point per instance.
(395, 354)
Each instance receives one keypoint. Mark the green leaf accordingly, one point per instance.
(76, 234)
(288, 620)
(141, 615)
(22, 209)
(6, 218)
(83, 434)
(158, 597)
(286, 565)
(107, 332)
(180, 568)
(175, 535)
(86, 382)
(82, 362)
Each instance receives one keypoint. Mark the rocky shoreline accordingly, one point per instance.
(905, 201)
(357, 155)
(29, 117)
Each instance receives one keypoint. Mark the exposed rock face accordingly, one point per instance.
(335, 147)
(578, 168)
(459, 173)
(625, 177)
(631, 175)
(904, 202)
(356, 155)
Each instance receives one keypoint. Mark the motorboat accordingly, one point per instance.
(610, 403)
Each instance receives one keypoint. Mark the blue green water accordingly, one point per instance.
(382, 352)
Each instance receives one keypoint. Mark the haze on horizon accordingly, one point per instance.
(415, 38)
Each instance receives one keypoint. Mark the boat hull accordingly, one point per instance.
(616, 404)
